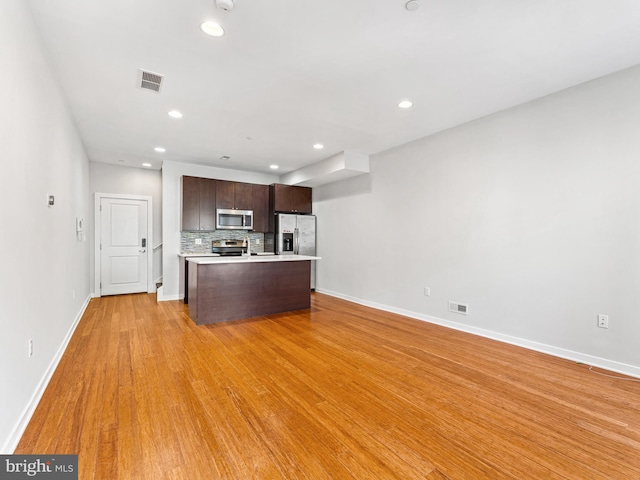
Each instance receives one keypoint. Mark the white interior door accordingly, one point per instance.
(123, 246)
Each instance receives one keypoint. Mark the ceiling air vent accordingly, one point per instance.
(458, 307)
(150, 81)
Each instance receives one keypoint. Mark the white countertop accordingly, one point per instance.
(185, 255)
(252, 259)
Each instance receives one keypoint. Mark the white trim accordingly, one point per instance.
(151, 286)
(612, 365)
(160, 297)
(14, 438)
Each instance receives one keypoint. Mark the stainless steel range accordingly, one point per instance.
(229, 248)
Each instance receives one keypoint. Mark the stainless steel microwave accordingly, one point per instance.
(228, 219)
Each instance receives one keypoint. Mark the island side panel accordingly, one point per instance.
(229, 291)
(192, 292)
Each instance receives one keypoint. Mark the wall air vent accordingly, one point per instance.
(150, 81)
(458, 307)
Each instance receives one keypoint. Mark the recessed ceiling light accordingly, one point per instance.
(146, 165)
(318, 146)
(160, 149)
(175, 114)
(273, 167)
(212, 29)
(405, 104)
(412, 5)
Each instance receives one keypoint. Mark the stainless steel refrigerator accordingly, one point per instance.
(296, 235)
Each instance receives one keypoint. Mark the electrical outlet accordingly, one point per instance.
(198, 241)
(427, 292)
(30, 347)
(257, 241)
(603, 321)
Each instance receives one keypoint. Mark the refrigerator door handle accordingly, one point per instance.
(296, 241)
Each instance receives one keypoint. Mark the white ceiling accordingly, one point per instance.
(291, 73)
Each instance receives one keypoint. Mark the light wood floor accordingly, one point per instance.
(341, 391)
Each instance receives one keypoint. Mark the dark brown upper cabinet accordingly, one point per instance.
(198, 204)
(260, 208)
(234, 195)
(290, 199)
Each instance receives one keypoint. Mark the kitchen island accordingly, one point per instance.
(229, 288)
(184, 272)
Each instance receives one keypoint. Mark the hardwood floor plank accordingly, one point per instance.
(337, 391)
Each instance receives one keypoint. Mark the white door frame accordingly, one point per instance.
(97, 237)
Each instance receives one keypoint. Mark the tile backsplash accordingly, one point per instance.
(188, 240)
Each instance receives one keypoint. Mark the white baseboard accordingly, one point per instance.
(604, 363)
(13, 440)
(160, 296)
(152, 287)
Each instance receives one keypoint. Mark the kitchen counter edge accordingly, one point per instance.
(251, 259)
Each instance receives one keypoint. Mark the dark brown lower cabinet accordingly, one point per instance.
(230, 291)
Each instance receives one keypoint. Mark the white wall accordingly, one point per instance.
(44, 280)
(171, 212)
(531, 216)
(106, 178)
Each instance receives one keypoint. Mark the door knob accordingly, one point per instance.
(142, 250)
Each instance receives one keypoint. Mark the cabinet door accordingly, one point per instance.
(224, 194)
(236, 195)
(207, 204)
(242, 196)
(190, 203)
(291, 199)
(302, 199)
(260, 208)
(282, 198)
